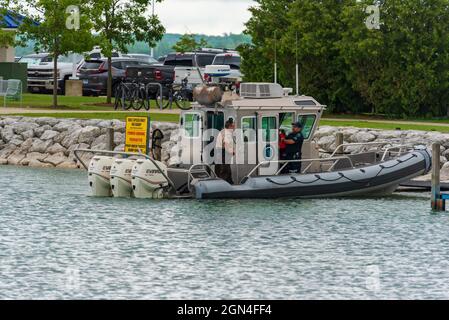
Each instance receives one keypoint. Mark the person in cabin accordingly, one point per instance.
(293, 150)
(225, 150)
(282, 145)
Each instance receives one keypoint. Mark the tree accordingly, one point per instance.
(120, 23)
(48, 23)
(401, 68)
(268, 22)
(188, 43)
(317, 27)
(6, 38)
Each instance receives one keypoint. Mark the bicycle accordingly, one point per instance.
(179, 94)
(122, 95)
(131, 95)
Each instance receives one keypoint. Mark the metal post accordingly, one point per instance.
(339, 141)
(153, 9)
(110, 139)
(438, 204)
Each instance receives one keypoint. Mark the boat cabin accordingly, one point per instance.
(260, 112)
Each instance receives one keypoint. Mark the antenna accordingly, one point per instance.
(275, 59)
(297, 66)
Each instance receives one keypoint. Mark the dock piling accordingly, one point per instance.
(110, 139)
(338, 142)
(438, 202)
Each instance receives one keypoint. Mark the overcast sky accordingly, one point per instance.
(211, 17)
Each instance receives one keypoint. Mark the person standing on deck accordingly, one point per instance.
(225, 150)
(294, 142)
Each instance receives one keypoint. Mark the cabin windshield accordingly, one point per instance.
(308, 122)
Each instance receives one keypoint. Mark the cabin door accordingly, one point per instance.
(192, 138)
(268, 143)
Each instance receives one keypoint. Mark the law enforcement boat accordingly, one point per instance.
(259, 112)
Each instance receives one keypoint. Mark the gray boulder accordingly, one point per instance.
(47, 121)
(49, 135)
(39, 131)
(56, 159)
(20, 127)
(40, 146)
(56, 148)
(27, 134)
(88, 134)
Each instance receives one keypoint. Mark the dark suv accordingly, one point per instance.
(94, 74)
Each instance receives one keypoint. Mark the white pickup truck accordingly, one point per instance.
(40, 71)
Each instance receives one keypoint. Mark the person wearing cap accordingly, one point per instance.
(294, 142)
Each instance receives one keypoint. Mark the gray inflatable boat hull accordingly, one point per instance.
(375, 180)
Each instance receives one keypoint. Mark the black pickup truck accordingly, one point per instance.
(159, 74)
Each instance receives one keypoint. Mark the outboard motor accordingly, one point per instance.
(99, 176)
(121, 176)
(148, 182)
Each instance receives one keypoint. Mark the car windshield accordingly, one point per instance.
(180, 61)
(34, 60)
(91, 65)
(31, 60)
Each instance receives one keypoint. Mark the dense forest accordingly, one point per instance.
(229, 41)
(399, 67)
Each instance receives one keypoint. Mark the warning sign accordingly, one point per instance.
(137, 134)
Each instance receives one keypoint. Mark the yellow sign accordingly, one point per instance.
(137, 134)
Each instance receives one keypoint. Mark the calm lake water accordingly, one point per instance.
(58, 243)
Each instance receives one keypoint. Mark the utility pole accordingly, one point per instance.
(152, 49)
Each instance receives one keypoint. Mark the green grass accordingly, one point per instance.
(45, 101)
(383, 126)
(163, 117)
(371, 117)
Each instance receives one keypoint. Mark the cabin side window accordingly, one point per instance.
(192, 123)
(269, 129)
(249, 129)
(308, 121)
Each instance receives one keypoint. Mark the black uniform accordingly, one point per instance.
(294, 152)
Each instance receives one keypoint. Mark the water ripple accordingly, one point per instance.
(58, 243)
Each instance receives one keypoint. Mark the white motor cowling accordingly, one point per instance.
(148, 181)
(121, 176)
(99, 176)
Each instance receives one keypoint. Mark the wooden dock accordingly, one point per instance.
(422, 185)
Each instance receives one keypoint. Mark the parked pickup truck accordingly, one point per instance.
(159, 74)
(40, 71)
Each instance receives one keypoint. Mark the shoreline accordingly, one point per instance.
(48, 142)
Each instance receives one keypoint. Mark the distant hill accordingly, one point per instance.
(228, 41)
